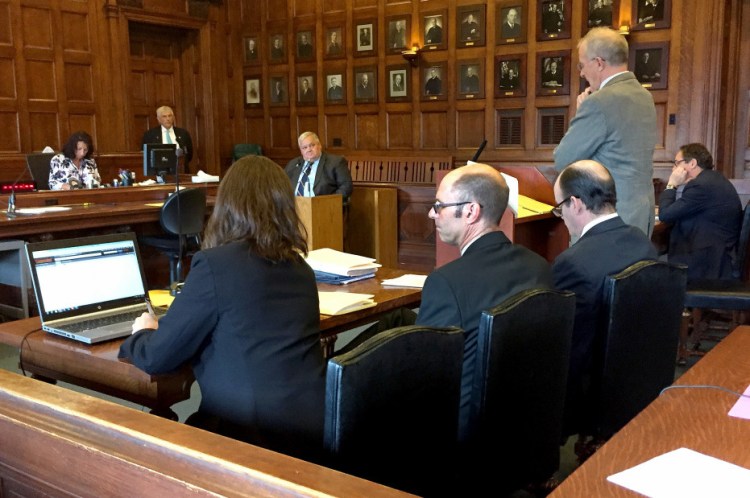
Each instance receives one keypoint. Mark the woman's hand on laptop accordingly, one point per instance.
(145, 321)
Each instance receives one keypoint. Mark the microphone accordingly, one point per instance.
(479, 150)
(11, 211)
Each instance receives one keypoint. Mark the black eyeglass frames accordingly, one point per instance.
(557, 210)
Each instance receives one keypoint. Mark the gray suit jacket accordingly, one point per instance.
(616, 126)
(332, 176)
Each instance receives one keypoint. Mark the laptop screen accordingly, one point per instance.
(78, 276)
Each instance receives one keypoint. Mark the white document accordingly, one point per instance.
(340, 263)
(408, 280)
(203, 177)
(684, 473)
(40, 210)
(512, 182)
(338, 303)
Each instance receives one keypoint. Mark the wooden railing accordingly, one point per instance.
(398, 169)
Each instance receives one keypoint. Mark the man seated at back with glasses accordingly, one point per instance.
(605, 245)
(705, 219)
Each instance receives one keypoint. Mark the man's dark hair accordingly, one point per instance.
(597, 194)
(700, 153)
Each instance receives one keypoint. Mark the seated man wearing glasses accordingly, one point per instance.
(605, 245)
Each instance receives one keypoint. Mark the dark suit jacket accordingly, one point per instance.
(260, 368)
(154, 136)
(489, 272)
(332, 176)
(706, 225)
(605, 249)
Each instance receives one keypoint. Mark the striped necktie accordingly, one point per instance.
(304, 179)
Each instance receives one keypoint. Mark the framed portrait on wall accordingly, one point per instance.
(434, 81)
(470, 79)
(251, 49)
(252, 92)
(470, 26)
(398, 84)
(365, 38)
(278, 90)
(277, 48)
(335, 87)
(306, 89)
(511, 22)
(434, 30)
(334, 42)
(399, 37)
(366, 84)
(600, 13)
(510, 75)
(306, 44)
(553, 69)
(553, 19)
(650, 62)
(651, 14)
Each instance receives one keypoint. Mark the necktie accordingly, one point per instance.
(169, 137)
(304, 179)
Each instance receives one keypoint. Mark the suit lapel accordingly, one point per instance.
(319, 174)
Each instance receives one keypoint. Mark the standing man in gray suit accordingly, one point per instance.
(615, 125)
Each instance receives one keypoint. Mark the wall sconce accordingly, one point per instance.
(412, 55)
(625, 29)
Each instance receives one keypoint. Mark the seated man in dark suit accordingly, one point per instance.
(605, 245)
(317, 172)
(167, 133)
(705, 220)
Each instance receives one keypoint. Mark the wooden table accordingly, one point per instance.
(692, 418)
(97, 366)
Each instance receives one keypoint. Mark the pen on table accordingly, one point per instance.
(150, 308)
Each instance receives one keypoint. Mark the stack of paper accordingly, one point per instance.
(341, 263)
(338, 303)
(530, 207)
(408, 280)
(203, 177)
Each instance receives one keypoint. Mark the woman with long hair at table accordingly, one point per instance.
(74, 167)
(247, 319)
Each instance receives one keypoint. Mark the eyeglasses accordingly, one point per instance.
(557, 210)
(678, 161)
(580, 65)
(440, 205)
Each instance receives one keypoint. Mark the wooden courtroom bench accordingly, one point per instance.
(56, 442)
(410, 181)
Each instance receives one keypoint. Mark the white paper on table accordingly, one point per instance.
(340, 263)
(512, 187)
(684, 473)
(338, 303)
(202, 177)
(408, 280)
(41, 210)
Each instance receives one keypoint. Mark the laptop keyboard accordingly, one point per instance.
(103, 321)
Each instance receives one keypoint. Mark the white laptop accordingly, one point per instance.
(89, 289)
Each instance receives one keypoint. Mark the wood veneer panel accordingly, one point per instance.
(6, 37)
(434, 129)
(368, 128)
(9, 142)
(76, 32)
(40, 80)
(336, 131)
(400, 130)
(469, 128)
(36, 24)
(79, 84)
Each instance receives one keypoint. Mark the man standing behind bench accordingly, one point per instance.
(167, 133)
(318, 173)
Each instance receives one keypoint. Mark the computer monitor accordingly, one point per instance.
(160, 161)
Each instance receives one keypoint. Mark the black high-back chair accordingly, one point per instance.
(392, 408)
(242, 150)
(39, 168)
(182, 218)
(642, 323)
(732, 295)
(518, 394)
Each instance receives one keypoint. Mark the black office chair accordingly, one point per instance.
(731, 295)
(38, 164)
(242, 150)
(391, 408)
(518, 394)
(182, 218)
(635, 360)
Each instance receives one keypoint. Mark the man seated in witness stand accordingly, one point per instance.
(318, 173)
(260, 368)
(168, 133)
(470, 202)
(706, 219)
(605, 245)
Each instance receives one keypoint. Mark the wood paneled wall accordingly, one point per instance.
(66, 65)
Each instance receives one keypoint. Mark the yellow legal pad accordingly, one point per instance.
(160, 298)
(530, 207)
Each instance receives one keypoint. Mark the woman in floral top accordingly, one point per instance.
(74, 167)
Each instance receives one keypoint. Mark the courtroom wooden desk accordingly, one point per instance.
(692, 418)
(97, 366)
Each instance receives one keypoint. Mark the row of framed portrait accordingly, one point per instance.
(553, 22)
(648, 61)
